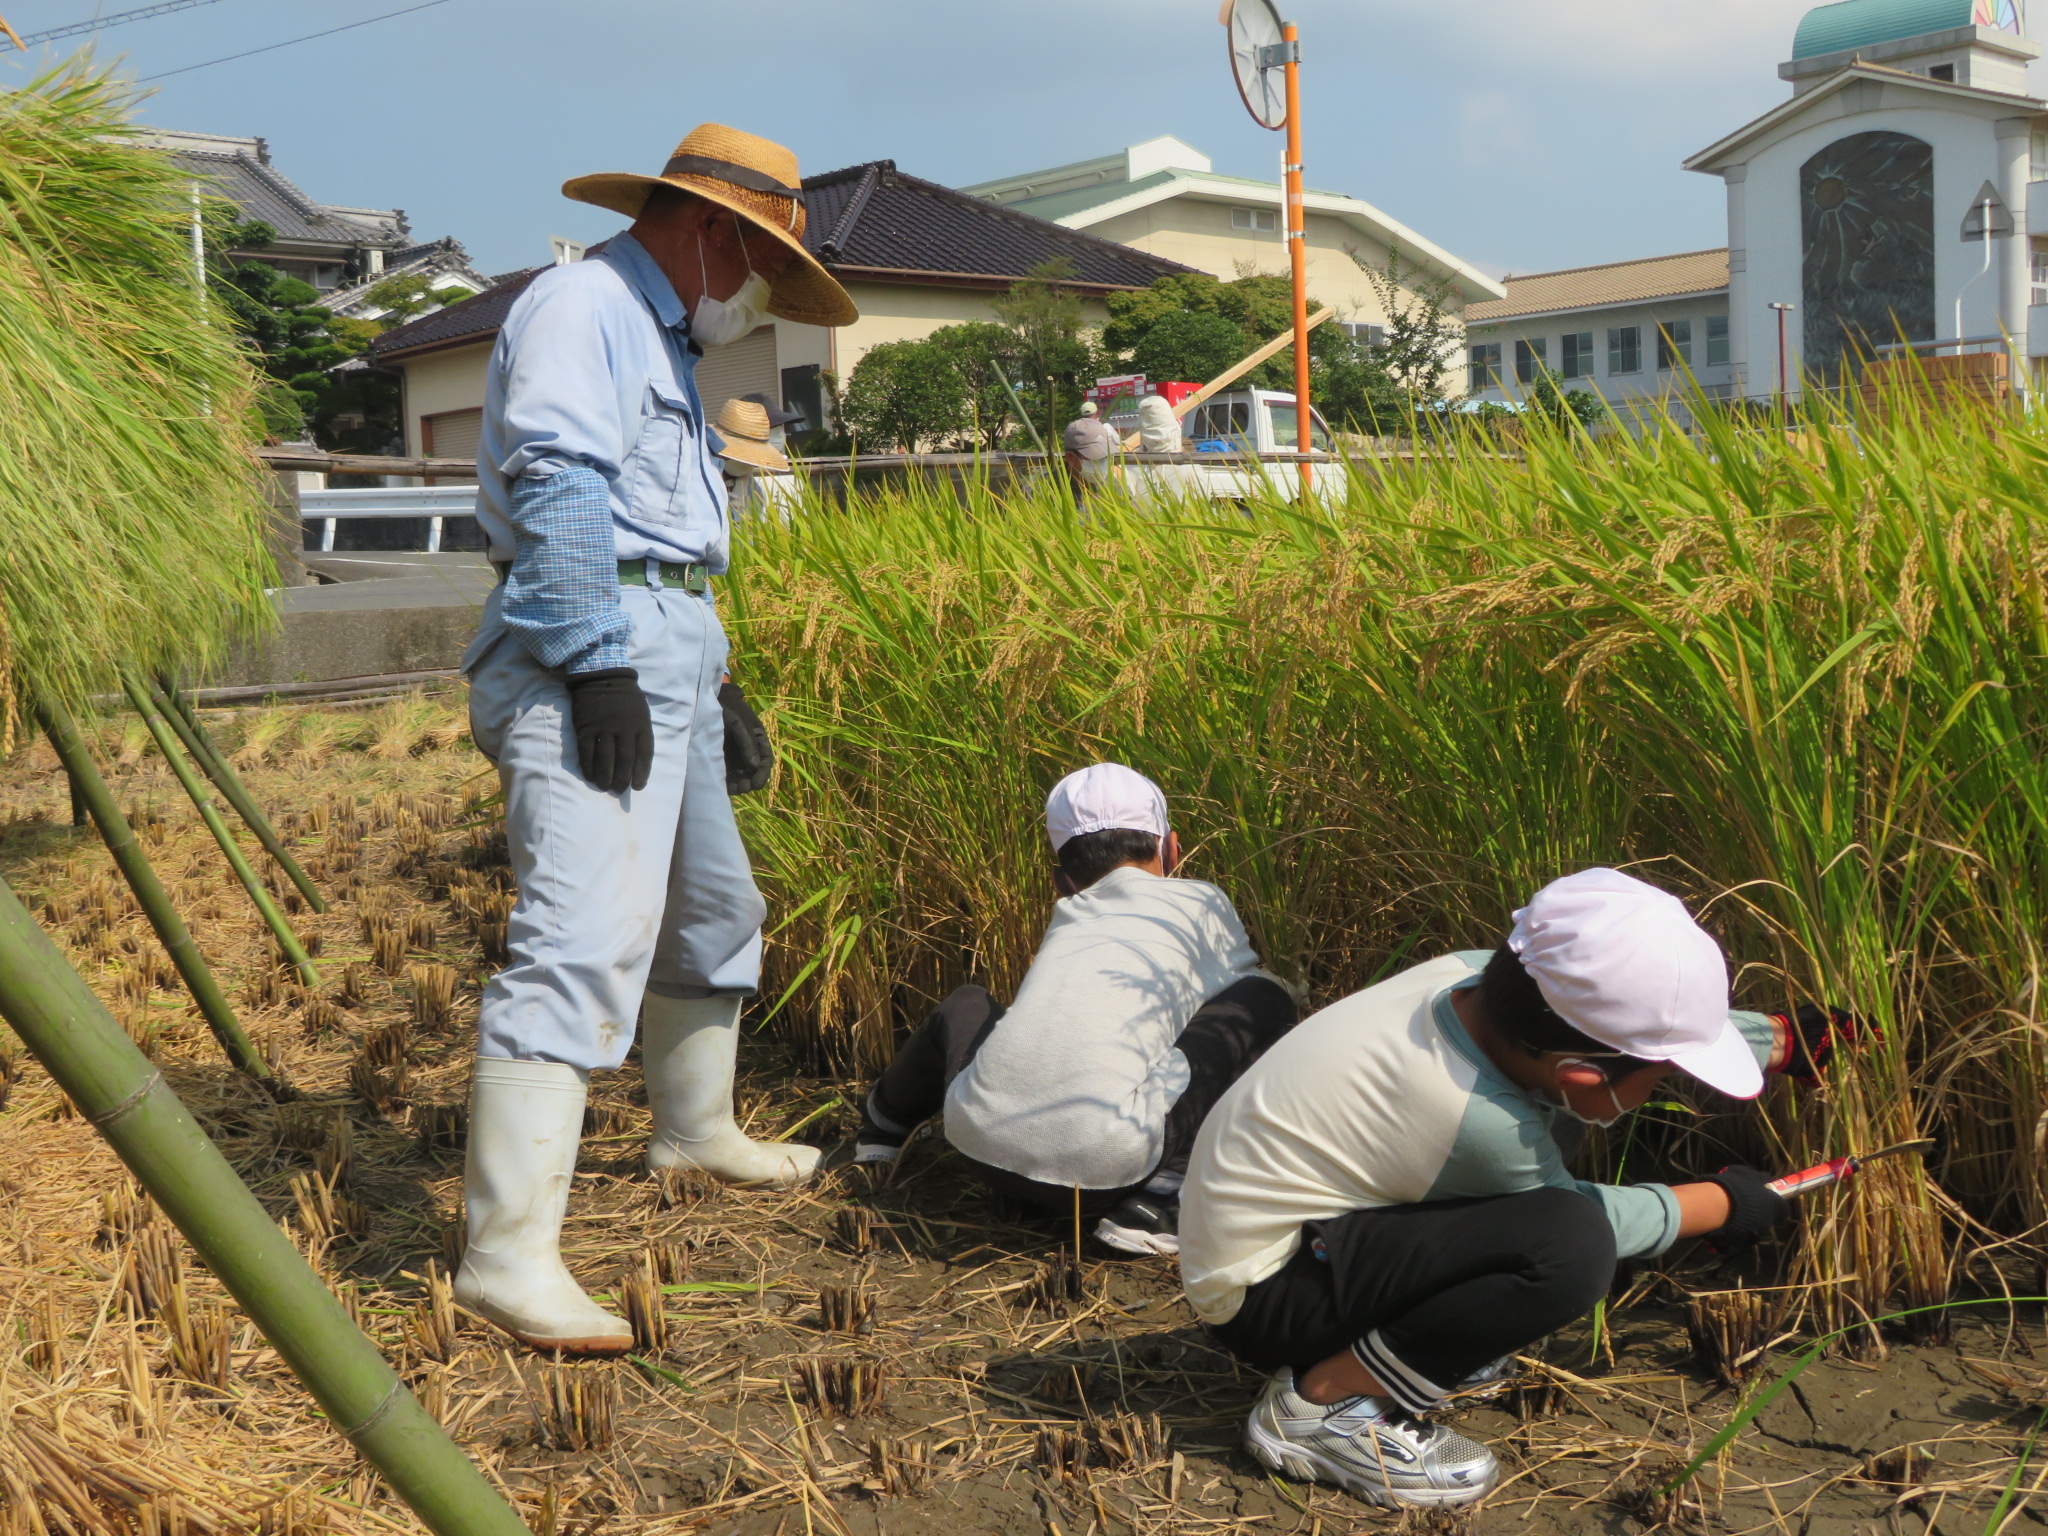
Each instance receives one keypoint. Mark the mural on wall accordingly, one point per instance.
(1866, 216)
(2006, 15)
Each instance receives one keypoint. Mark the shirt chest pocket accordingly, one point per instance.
(668, 445)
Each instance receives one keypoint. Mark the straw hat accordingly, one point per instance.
(757, 179)
(744, 426)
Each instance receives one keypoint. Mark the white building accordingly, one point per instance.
(1165, 197)
(1858, 213)
(1627, 329)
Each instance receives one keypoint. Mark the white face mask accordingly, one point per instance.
(721, 322)
(1606, 1082)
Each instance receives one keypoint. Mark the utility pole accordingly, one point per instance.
(1297, 253)
(1783, 310)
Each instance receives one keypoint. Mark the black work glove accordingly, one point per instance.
(749, 760)
(1753, 1209)
(1817, 1033)
(614, 732)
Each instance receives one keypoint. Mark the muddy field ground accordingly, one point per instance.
(846, 1359)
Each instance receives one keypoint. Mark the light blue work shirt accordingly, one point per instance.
(594, 367)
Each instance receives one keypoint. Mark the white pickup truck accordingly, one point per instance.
(1225, 445)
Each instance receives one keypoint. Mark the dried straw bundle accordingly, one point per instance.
(128, 409)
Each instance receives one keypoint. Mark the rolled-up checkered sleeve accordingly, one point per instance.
(561, 596)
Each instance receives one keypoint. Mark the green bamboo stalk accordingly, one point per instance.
(167, 743)
(65, 1027)
(185, 721)
(91, 791)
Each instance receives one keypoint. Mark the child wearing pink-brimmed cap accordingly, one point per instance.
(1144, 1003)
(1381, 1212)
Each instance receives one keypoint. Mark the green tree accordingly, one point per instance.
(1188, 344)
(1422, 334)
(410, 295)
(1351, 384)
(1054, 361)
(906, 396)
(299, 344)
(981, 353)
(1547, 397)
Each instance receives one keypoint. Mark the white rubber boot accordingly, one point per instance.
(525, 1124)
(687, 1049)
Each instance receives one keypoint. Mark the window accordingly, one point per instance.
(452, 434)
(1674, 345)
(1717, 341)
(1285, 426)
(1942, 72)
(1364, 335)
(1578, 355)
(1261, 221)
(2040, 277)
(1215, 423)
(1625, 349)
(1485, 369)
(2037, 159)
(1531, 358)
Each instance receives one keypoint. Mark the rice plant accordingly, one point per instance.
(1794, 677)
(128, 410)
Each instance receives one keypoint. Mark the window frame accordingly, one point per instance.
(1716, 344)
(1251, 217)
(1674, 344)
(1482, 372)
(1576, 358)
(1532, 358)
(1631, 350)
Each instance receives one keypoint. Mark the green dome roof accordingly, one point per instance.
(1860, 23)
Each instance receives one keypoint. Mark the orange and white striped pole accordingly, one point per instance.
(1297, 252)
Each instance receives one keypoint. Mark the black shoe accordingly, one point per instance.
(1142, 1225)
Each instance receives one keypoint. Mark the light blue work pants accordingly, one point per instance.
(649, 890)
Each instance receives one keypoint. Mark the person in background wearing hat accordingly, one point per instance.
(1144, 1002)
(595, 682)
(1380, 1209)
(1089, 444)
(757, 472)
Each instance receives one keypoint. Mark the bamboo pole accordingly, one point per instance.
(184, 720)
(91, 791)
(167, 743)
(65, 1027)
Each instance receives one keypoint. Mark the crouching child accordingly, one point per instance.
(1379, 1211)
(1144, 1003)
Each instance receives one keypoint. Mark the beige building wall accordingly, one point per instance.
(1198, 233)
(443, 381)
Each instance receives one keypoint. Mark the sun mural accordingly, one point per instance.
(1866, 213)
(2006, 15)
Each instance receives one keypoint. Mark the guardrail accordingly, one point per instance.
(435, 503)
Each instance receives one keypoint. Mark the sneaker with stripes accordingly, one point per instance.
(1368, 1446)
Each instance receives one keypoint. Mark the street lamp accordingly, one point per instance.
(1783, 310)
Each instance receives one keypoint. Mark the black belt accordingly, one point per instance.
(691, 578)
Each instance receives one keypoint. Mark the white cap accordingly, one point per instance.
(1624, 963)
(1087, 407)
(1102, 797)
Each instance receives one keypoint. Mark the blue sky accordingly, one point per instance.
(1520, 134)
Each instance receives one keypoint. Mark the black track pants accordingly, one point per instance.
(1427, 1294)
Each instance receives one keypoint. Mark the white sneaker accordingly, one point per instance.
(1367, 1446)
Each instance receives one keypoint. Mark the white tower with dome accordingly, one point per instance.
(1865, 200)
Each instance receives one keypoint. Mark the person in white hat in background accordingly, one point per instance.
(1144, 1003)
(1088, 449)
(595, 687)
(1380, 1209)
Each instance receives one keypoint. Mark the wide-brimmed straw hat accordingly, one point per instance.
(744, 426)
(757, 179)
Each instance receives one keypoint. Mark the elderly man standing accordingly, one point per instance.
(595, 686)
